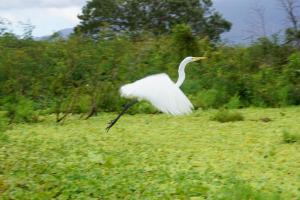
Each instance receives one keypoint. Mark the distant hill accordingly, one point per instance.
(64, 33)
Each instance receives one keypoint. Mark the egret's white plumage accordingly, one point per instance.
(161, 92)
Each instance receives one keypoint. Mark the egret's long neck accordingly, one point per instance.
(181, 73)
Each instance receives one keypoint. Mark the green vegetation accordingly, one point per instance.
(114, 45)
(80, 75)
(152, 16)
(153, 157)
(289, 137)
(224, 115)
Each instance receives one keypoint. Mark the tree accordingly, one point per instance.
(154, 16)
(4, 24)
(292, 8)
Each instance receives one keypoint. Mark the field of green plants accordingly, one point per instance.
(148, 156)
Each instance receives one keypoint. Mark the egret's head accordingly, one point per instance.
(193, 59)
(182, 67)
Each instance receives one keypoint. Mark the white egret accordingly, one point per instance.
(160, 91)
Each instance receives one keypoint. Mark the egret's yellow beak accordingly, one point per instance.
(199, 58)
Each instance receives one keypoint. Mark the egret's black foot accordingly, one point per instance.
(110, 124)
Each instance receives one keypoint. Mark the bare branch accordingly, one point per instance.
(257, 22)
(291, 7)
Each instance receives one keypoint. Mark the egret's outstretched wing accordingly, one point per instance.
(161, 92)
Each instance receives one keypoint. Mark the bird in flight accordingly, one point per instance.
(160, 91)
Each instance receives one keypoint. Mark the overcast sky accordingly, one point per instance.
(49, 16)
(245, 20)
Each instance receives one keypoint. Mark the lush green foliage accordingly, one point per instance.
(154, 16)
(153, 157)
(20, 109)
(82, 75)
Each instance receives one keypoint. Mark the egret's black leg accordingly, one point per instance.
(125, 108)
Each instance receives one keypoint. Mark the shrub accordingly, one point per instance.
(82, 104)
(234, 102)
(205, 98)
(291, 76)
(20, 109)
(3, 127)
(289, 137)
(225, 115)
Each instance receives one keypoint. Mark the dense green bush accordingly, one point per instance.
(234, 102)
(291, 81)
(20, 109)
(80, 74)
(205, 98)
